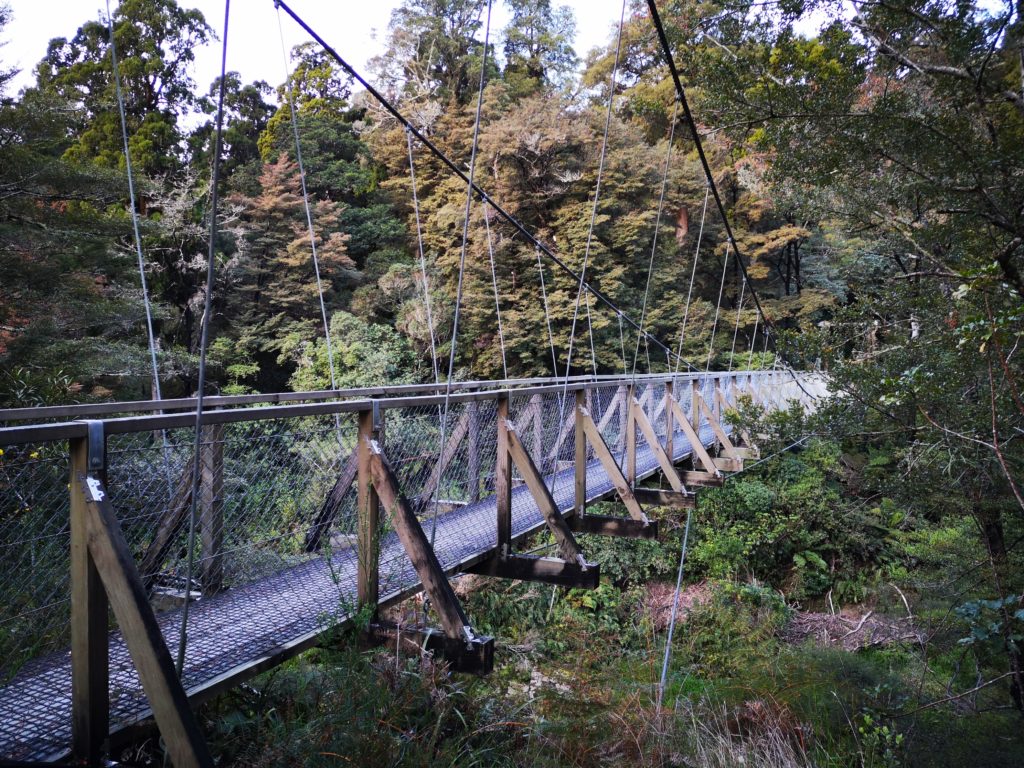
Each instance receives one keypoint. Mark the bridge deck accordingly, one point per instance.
(246, 629)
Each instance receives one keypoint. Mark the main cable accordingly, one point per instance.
(454, 168)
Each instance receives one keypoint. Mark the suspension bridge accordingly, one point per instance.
(240, 531)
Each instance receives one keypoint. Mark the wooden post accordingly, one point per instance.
(670, 427)
(631, 435)
(89, 654)
(624, 398)
(368, 579)
(211, 508)
(473, 471)
(694, 412)
(580, 468)
(123, 584)
(503, 481)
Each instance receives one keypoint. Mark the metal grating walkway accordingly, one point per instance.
(244, 629)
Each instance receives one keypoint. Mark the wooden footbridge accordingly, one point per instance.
(310, 506)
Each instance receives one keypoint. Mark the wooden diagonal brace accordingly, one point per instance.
(546, 570)
(695, 443)
(611, 467)
(417, 547)
(567, 544)
(727, 447)
(723, 406)
(451, 448)
(141, 632)
(667, 467)
(169, 525)
(325, 515)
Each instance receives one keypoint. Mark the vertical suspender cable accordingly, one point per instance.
(547, 315)
(462, 263)
(597, 194)
(494, 283)
(693, 275)
(423, 258)
(293, 109)
(718, 309)
(150, 335)
(736, 328)
(132, 209)
(657, 226)
(203, 342)
(675, 611)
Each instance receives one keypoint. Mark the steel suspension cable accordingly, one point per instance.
(675, 610)
(134, 215)
(423, 258)
(204, 336)
(132, 209)
(547, 314)
(718, 309)
(457, 170)
(462, 266)
(494, 283)
(736, 328)
(693, 275)
(293, 109)
(597, 195)
(681, 93)
(657, 227)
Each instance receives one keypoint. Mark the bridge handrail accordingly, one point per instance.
(401, 396)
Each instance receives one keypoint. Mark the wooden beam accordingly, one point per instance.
(630, 437)
(141, 633)
(566, 428)
(670, 427)
(567, 544)
(89, 651)
(325, 516)
(580, 463)
(546, 570)
(170, 524)
(695, 442)
(611, 467)
(703, 478)
(667, 466)
(727, 464)
(418, 548)
(613, 406)
(473, 450)
(727, 447)
(475, 656)
(211, 508)
(659, 498)
(368, 511)
(606, 525)
(451, 447)
(503, 480)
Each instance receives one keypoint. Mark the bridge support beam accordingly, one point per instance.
(461, 645)
(546, 570)
(109, 567)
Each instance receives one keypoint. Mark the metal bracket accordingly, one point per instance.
(97, 445)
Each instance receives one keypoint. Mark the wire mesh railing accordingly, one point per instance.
(276, 548)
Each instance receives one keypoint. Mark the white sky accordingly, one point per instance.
(355, 28)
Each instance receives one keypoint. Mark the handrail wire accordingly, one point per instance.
(547, 314)
(203, 342)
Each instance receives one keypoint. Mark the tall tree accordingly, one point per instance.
(156, 42)
(538, 45)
